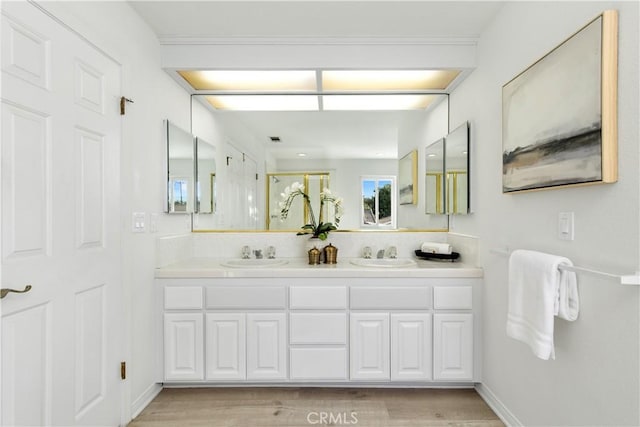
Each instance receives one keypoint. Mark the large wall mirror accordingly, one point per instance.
(276, 148)
(180, 169)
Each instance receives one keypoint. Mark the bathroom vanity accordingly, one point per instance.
(330, 324)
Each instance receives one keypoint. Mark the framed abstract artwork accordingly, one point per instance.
(559, 116)
(408, 179)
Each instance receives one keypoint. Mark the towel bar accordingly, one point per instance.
(625, 279)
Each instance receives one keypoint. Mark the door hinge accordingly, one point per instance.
(256, 177)
(123, 370)
(123, 102)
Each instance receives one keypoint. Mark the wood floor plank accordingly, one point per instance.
(301, 406)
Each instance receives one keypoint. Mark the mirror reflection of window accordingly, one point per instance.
(378, 202)
(179, 194)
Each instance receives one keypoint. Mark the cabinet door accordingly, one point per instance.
(266, 346)
(183, 347)
(226, 346)
(453, 347)
(411, 347)
(369, 345)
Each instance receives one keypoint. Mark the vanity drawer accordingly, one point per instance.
(249, 297)
(318, 328)
(183, 297)
(391, 297)
(318, 363)
(453, 297)
(318, 297)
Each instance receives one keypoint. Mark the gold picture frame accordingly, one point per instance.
(559, 116)
(408, 179)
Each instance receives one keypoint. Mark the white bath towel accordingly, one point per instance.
(436, 248)
(538, 291)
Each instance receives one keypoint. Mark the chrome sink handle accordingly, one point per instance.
(5, 292)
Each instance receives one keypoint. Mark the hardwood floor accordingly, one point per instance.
(280, 407)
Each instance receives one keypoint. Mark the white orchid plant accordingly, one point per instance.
(318, 229)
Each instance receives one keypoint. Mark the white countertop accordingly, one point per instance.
(298, 267)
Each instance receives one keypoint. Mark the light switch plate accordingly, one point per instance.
(138, 224)
(566, 226)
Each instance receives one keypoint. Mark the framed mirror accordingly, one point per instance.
(205, 177)
(180, 169)
(434, 182)
(457, 170)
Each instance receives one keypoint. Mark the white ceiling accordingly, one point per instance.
(321, 134)
(317, 18)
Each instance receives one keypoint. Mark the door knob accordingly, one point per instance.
(4, 292)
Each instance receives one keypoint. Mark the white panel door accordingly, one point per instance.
(369, 346)
(60, 172)
(453, 347)
(411, 347)
(266, 346)
(183, 347)
(226, 346)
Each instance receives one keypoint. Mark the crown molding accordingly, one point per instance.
(317, 41)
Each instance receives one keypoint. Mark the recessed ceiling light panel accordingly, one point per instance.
(387, 80)
(251, 80)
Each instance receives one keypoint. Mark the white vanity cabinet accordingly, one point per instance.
(226, 346)
(395, 344)
(453, 333)
(242, 342)
(266, 346)
(319, 330)
(183, 355)
(318, 333)
(183, 328)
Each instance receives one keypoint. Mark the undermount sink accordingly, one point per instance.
(383, 262)
(254, 263)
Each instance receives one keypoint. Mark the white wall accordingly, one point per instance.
(416, 133)
(118, 30)
(595, 377)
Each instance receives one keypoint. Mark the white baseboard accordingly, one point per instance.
(144, 399)
(498, 407)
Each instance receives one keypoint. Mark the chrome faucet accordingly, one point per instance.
(246, 252)
(380, 254)
(258, 253)
(392, 252)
